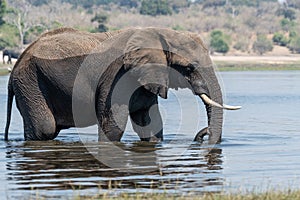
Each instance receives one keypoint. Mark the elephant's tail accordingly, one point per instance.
(10, 98)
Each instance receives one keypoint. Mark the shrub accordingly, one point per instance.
(241, 46)
(38, 2)
(219, 45)
(292, 34)
(262, 45)
(294, 4)
(33, 33)
(178, 28)
(129, 3)
(102, 20)
(294, 44)
(280, 39)
(287, 25)
(249, 3)
(2, 11)
(251, 22)
(8, 36)
(216, 34)
(214, 3)
(287, 14)
(155, 7)
(177, 5)
(218, 42)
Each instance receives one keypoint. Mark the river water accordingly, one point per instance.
(259, 151)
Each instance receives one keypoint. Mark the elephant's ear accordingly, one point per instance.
(146, 58)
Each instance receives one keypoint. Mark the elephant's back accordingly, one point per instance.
(64, 43)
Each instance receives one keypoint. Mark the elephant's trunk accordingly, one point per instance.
(206, 86)
(214, 114)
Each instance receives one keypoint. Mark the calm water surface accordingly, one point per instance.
(260, 148)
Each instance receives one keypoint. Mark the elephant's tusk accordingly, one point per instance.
(207, 100)
(228, 107)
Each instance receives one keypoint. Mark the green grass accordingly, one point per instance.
(225, 66)
(3, 71)
(228, 66)
(289, 195)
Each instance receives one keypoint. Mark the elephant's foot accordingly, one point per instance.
(113, 135)
(155, 139)
(152, 139)
(158, 137)
(200, 135)
(111, 126)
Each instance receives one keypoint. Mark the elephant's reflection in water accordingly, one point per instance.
(55, 165)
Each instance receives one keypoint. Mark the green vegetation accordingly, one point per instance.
(271, 195)
(241, 45)
(250, 3)
(38, 2)
(256, 64)
(287, 25)
(213, 3)
(238, 21)
(8, 36)
(4, 69)
(289, 14)
(294, 44)
(88, 3)
(211, 196)
(33, 33)
(262, 45)
(2, 11)
(232, 66)
(102, 20)
(218, 42)
(294, 4)
(155, 7)
(178, 28)
(280, 39)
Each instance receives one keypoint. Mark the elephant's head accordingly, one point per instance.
(151, 53)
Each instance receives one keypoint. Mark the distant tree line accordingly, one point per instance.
(161, 7)
(17, 27)
(2, 11)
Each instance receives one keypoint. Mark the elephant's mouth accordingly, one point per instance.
(209, 101)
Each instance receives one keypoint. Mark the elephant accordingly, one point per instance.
(10, 54)
(70, 78)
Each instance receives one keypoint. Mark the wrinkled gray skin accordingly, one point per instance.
(45, 81)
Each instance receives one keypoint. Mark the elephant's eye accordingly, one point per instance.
(190, 68)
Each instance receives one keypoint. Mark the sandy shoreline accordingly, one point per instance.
(231, 60)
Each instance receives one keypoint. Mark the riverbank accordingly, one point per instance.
(237, 63)
(295, 195)
(256, 63)
(5, 69)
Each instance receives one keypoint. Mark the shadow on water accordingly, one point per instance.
(68, 166)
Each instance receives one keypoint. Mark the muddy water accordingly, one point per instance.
(259, 151)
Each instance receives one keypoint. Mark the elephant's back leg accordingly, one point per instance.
(38, 120)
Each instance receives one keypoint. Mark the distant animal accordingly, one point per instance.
(68, 73)
(10, 54)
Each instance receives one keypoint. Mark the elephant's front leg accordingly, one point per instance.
(148, 124)
(113, 123)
